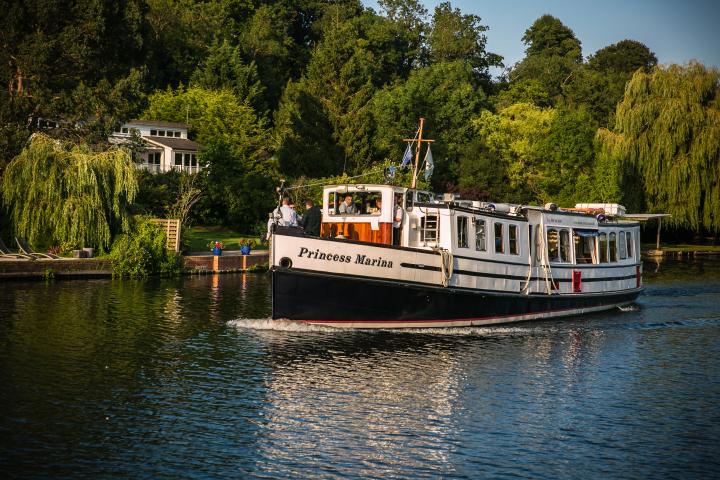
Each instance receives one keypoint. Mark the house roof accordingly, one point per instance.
(174, 143)
(158, 123)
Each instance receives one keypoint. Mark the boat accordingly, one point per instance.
(451, 262)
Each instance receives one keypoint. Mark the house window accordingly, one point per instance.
(161, 133)
(613, 247)
(462, 232)
(499, 246)
(178, 159)
(153, 133)
(514, 245)
(124, 130)
(629, 243)
(193, 160)
(187, 159)
(154, 158)
(480, 244)
(176, 134)
(602, 247)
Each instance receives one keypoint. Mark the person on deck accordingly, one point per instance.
(347, 206)
(397, 221)
(311, 220)
(286, 216)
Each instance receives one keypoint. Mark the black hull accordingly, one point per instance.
(346, 301)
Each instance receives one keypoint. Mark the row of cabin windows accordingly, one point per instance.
(187, 159)
(480, 236)
(610, 248)
(165, 133)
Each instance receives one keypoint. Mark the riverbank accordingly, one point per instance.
(196, 263)
(682, 251)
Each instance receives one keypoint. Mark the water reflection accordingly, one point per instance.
(172, 378)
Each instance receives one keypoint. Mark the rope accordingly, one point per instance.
(446, 266)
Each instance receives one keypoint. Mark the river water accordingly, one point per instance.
(187, 378)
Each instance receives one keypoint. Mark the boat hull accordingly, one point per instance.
(345, 301)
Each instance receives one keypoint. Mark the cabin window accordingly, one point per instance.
(428, 228)
(613, 247)
(622, 246)
(553, 245)
(514, 245)
(462, 232)
(629, 244)
(564, 245)
(499, 245)
(480, 244)
(355, 203)
(603, 247)
(584, 248)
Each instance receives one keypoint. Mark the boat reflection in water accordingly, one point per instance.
(380, 403)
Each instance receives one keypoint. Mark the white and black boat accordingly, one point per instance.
(451, 262)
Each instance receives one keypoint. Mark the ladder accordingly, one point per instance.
(430, 230)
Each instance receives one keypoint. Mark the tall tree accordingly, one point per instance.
(669, 126)
(61, 193)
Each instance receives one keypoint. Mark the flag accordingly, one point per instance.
(429, 164)
(407, 158)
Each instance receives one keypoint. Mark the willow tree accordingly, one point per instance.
(669, 127)
(67, 193)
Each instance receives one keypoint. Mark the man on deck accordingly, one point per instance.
(311, 220)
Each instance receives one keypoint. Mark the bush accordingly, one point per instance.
(142, 252)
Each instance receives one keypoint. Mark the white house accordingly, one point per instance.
(167, 145)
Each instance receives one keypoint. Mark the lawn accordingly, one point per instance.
(198, 238)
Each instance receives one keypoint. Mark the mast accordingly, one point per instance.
(419, 141)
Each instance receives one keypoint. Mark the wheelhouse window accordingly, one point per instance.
(355, 203)
(629, 244)
(613, 247)
(514, 244)
(462, 232)
(622, 246)
(480, 244)
(558, 244)
(499, 245)
(603, 247)
(584, 246)
(429, 228)
(564, 245)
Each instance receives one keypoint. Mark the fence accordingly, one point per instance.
(172, 231)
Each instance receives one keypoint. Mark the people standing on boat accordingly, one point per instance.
(347, 206)
(378, 206)
(285, 215)
(311, 219)
(397, 220)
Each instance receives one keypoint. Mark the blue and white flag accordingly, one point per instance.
(407, 158)
(429, 164)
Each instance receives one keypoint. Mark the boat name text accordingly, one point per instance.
(334, 257)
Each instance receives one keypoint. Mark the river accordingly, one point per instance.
(187, 378)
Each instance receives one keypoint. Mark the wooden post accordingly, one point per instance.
(657, 240)
(419, 141)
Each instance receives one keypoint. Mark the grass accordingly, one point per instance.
(682, 247)
(198, 238)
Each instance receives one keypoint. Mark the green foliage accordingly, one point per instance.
(142, 252)
(549, 37)
(68, 193)
(669, 125)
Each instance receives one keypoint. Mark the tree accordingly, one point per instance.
(669, 126)
(63, 193)
(455, 36)
(549, 37)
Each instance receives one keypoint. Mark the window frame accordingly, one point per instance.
(480, 233)
(461, 230)
(501, 237)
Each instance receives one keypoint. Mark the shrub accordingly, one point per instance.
(142, 252)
